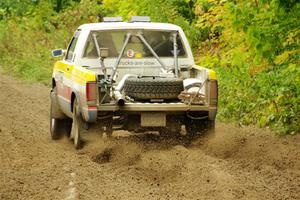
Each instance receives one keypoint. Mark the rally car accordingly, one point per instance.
(138, 76)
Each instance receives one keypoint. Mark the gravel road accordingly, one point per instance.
(238, 163)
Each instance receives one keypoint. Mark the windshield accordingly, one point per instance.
(160, 41)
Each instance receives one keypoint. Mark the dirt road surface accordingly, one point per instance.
(238, 163)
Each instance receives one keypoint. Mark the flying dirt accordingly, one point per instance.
(237, 163)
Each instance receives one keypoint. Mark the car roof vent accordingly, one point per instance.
(112, 19)
(140, 19)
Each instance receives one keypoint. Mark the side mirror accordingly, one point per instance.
(58, 52)
(103, 53)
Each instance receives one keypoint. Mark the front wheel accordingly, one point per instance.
(58, 127)
(76, 126)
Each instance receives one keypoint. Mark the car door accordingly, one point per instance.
(66, 70)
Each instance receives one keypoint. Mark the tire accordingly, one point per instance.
(192, 128)
(211, 124)
(58, 127)
(145, 88)
(76, 126)
(55, 108)
(109, 127)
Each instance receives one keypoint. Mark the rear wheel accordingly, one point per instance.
(109, 127)
(58, 127)
(76, 126)
(211, 127)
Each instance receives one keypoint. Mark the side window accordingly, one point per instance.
(90, 49)
(72, 46)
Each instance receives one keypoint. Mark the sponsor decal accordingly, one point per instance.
(138, 55)
(130, 53)
(137, 63)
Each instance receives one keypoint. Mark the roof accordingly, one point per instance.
(129, 25)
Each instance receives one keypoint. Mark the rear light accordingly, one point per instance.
(213, 92)
(91, 91)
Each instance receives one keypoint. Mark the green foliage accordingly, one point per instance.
(173, 11)
(253, 45)
(18, 8)
(26, 41)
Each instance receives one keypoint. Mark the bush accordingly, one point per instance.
(255, 49)
(27, 40)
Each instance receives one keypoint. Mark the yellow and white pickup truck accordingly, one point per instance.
(138, 75)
